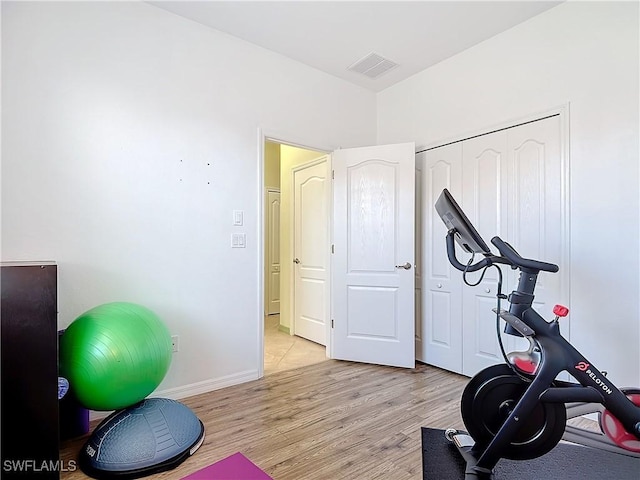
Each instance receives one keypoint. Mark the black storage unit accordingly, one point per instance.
(29, 371)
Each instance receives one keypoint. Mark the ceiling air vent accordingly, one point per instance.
(373, 65)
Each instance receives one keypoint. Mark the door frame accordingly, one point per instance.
(326, 159)
(263, 136)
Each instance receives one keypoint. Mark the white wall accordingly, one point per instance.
(587, 54)
(101, 101)
(129, 137)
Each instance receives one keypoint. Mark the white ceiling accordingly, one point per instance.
(332, 35)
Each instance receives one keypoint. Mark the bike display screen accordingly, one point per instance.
(454, 218)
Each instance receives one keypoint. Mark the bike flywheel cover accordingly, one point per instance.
(613, 428)
(486, 403)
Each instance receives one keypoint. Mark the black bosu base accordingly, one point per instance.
(154, 435)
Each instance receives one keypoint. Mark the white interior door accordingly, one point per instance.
(311, 247)
(273, 252)
(373, 221)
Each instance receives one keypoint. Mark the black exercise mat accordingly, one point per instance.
(441, 461)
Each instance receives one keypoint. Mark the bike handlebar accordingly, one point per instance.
(515, 259)
(508, 257)
(474, 267)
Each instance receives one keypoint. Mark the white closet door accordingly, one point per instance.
(439, 341)
(484, 201)
(535, 221)
(511, 184)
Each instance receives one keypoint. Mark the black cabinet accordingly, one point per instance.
(29, 371)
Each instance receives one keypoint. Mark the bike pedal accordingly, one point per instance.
(462, 440)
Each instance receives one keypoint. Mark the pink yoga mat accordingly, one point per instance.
(235, 467)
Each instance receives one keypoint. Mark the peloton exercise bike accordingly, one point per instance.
(518, 410)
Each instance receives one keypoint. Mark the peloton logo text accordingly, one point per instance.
(584, 367)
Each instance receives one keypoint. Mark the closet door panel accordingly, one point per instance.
(512, 184)
(484, 176)
(535, 222)
(441, 342)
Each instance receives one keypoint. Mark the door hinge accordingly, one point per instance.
(332, 323)
(333, 174)
(333, 248)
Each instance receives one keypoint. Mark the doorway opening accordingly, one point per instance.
(285, 347)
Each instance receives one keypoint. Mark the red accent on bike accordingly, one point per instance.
(526, 366)
(613, 429)
(561, 310)
(582, 366)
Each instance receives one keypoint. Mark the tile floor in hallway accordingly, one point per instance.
(284, 352)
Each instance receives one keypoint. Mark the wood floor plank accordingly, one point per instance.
(333, 420)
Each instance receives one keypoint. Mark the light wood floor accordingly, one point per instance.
(284, 352)
(332, 420)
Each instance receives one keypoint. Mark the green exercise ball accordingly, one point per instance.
(114, 355)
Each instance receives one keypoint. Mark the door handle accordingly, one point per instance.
(296, 260)
(406, 266)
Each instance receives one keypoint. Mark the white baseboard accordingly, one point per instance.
(184, 391)
(178, 393)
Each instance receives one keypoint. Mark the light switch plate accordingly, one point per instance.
(238, 240)
(238, 218)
